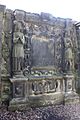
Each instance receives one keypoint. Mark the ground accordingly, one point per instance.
(58, 112)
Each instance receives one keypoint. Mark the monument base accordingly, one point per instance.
(37, 91)
(36, 101)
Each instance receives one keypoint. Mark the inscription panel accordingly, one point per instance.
(43, 52)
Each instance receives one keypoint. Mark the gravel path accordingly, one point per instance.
(58, 112)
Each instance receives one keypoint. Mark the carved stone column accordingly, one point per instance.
(27, 51)
(18, 80)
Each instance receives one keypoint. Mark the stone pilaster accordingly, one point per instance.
(2, 10)
(70, 93)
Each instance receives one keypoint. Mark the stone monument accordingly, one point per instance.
(38, 59)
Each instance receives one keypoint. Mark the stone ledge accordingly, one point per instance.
(36, 101)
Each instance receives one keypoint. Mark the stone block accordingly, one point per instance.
(71, 97)
(19, 15)
(2, 8)
(32, 17)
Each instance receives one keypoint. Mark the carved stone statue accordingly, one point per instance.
(69, 56)
(18, 50)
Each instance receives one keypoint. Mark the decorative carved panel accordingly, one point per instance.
(18, 90)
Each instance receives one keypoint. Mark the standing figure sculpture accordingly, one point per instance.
(18, 49)
(69, 56)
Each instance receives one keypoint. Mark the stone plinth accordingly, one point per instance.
(70, 93)
(19, 91)
(36, 91)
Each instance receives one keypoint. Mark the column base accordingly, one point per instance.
(71, 97)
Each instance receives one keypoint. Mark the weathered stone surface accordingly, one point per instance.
(44, 55)
(6, 42)
(38, 52)
(2, 10)
(19, 15)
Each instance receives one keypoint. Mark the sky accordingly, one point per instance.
(58, 8)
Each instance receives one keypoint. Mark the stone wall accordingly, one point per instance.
(2, 11)
(50, 35)
(36, 45)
